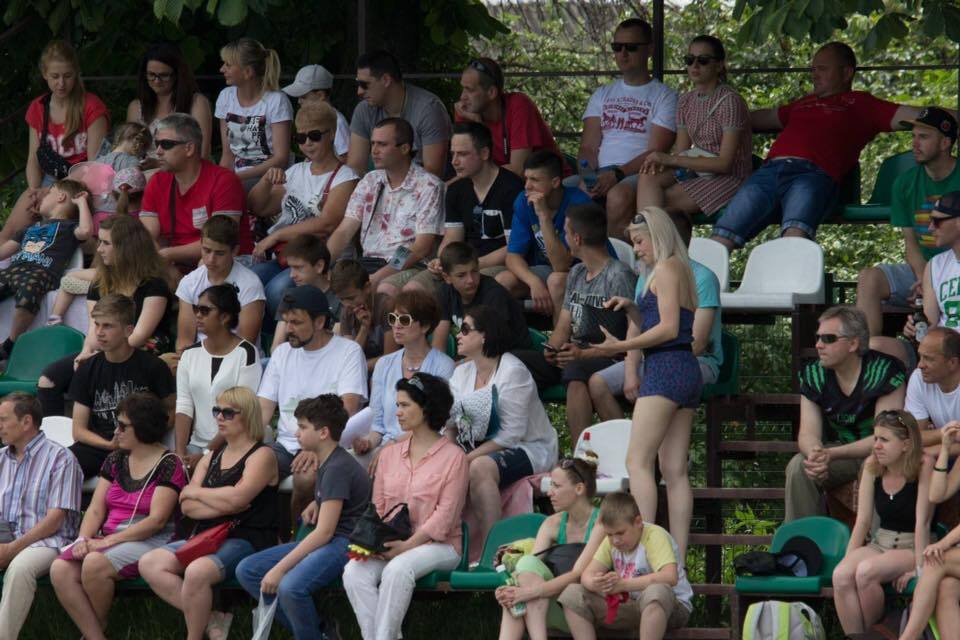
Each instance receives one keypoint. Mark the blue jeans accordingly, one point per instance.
(227, 557)
(296, 609)
(795, 192)
(276, 280)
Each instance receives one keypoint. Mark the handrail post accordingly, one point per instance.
(658, 39)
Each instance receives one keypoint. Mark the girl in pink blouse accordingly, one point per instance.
(430, 474)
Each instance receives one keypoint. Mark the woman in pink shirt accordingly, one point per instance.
(430, 474)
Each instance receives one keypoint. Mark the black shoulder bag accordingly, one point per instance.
(51, 162)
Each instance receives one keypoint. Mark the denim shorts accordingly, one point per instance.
(792, 191)
(284, 459)
(227, 557)
(513, 464)
(900, 279)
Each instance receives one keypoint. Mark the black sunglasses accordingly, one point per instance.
(465, 329)
(226, 412)
(166, 145)
(315, 136)
(202, 310)
(631, 47)
(891, 415)
(123, 425)
(689, 59)
(936, 222)
(828, 338)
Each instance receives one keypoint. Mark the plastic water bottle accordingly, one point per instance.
(920, 320)
(584, 449)
(587, 174)
(519, 609)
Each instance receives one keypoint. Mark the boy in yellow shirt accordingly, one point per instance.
(636, 558)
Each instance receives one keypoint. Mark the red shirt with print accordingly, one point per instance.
(526, 128)
(73, 150)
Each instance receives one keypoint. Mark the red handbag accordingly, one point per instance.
(204, 543)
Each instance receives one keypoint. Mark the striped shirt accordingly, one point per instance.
(48, 477)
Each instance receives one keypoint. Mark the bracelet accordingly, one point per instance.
(943, 469)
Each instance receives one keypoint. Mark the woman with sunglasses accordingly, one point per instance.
(661, 318)
(711, 157)
(415, 315)
(894, 484)
(573, 485)
(428, 473)
(498, 418)
(208, 368)
(310, 197)
(236, 483)
(165, 85)
(131, 512)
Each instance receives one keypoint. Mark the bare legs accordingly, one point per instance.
(925, 597)
(872, 290)
(85, 589)
(484, 493)
(189, 590)
(858, 580)
(535, 620)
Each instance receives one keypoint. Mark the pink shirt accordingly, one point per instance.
(435, 490)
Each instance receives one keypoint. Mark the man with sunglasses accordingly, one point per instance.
(626, 120)
(841, 393)
(515, 123)
(187, 191)
(384, 94)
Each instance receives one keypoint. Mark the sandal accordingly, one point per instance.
(218, 627)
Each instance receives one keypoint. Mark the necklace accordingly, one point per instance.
(411, 368)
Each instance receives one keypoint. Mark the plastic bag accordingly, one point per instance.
(263, 618)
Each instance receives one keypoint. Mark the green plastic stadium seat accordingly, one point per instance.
(485, 576)
(33, 351)
(432, 580)
(830, 535)
(728, 380)
(877, 208)
(558, 392)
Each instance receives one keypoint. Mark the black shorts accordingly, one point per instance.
(513, 464)
(28, 283)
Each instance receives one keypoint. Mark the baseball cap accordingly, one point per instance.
(132, 178)
(948, 205)
(935, 118)
(307, 298)
(309, 78)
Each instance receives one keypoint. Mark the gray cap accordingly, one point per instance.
(309, 78)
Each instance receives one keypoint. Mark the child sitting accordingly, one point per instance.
(634, 581)
(363, 316)
(308, 259)
(41, 252)
(131, 141)
(128, 185)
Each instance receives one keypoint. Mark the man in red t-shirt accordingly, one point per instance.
(821, 136)
(514, 121)
(196, 188)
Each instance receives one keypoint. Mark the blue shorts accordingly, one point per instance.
(795, 192)
(227, 557)
(513, 464)
(284, 459)
(900, 279)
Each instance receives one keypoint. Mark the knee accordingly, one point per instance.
(201, 574)
(60, 571)
(597, 387)
(484, 473)
(95, 568)
(153, 563)
(304, 482)
(795, 467)
(866, 574)
(353, 574)
(948, 593)
(414, 285)
(557, 281)
(673, 467)
(844, 575)
(620, 199)
(871, 281)
(398, 574)
(45, 383)
(387, 290)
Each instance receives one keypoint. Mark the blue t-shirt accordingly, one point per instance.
(526, 238)
(708, 297)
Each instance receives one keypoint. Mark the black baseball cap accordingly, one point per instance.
(935, 118)
(305, 297)
(948, 205)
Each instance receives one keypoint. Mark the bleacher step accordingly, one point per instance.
(757, 446)
(715, 539)
(738, 493)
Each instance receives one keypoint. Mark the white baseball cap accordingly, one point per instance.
(309, 78)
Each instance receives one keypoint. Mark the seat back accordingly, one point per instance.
(831, 536)
(508, 530)
(537, 338)
(714, 256)
(890, 169)
(34, 350)
(609, 441)
(59, 429)
(728, 378)
(624, 252)
(786, 265)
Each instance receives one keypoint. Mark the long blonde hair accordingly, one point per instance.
(60, 51)
(248, 52)
(135, 257)
(904, 426)
(656, 224)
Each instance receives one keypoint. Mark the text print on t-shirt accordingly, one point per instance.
(105, 401)
(625, 113)
(67, 148)
(36, 240)
(248, 139)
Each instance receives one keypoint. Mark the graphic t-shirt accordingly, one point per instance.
(341, 477)
(526, 238)
(626, 113)
(100, 385)
(525, 128)
(49, 245)
(616, 279)
(305, 192)
(914, 194)
(850, 418)
(249, 129)
(162, 340)
(945, 278)
(490, 294)
(486, 224)
(73, 150)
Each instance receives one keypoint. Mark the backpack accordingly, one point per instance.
(800, 556)
(775, 620)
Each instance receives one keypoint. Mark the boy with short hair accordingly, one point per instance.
(363, 316)
(308, 259)
(636, 558)
(463, 287)
(293, 571)
(219, 240)
(41, 253)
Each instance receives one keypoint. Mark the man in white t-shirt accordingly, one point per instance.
(312, 362)
(218, 248)
(933, 392)
(624, 121)
(314, 82)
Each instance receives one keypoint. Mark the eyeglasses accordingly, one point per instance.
(228, 413)
(638, 219)
(689, 59)
(158, 77)
(631, 47)
(487, 70)
(891, 415)
(166, 145)
(937, 222)
(315, 136)
(829, 338)
(363, 84)
(202, 310)
(465, 329)
(568, 464)
(402, 319)
(416, 382)
(123, 425)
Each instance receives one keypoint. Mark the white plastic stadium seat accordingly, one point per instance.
(60, 430)
(624, 253)
(780, 275)
(609, 441)
(714, 256)
(75, 317)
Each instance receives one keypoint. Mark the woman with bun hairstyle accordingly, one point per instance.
(573, 485)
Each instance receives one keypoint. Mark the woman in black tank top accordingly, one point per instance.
(238, 483)
(895, 482)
